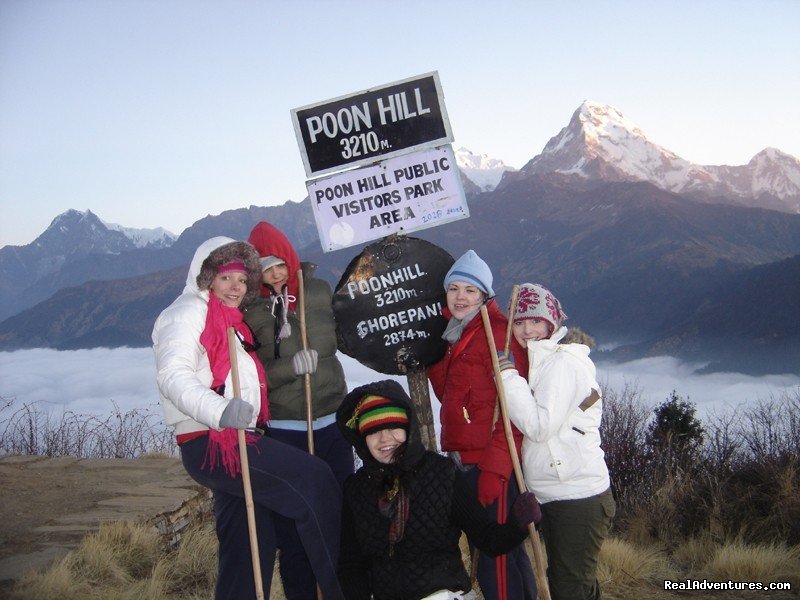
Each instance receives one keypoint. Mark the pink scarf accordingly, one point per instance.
(223, 445)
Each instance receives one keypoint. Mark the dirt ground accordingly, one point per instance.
(37, 494)
(49, 504)
(34, 495)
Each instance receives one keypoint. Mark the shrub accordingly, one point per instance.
(623, 433)
(735, 477)
(674, 436)
(29, 429)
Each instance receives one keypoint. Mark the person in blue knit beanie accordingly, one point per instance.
(463, 381)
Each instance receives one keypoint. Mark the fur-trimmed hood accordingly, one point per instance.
(217, 251)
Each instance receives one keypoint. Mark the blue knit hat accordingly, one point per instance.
(472, 269)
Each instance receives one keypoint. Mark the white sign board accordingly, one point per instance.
(402, 194)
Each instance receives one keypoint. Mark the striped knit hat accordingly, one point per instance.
(374, 413)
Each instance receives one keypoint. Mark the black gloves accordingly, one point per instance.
(526, 510)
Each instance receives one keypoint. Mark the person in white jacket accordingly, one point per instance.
(558, 410)
(193, 364)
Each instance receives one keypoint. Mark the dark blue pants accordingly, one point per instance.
(295, 569)
(286, 482)
(521, 583)
(234, 566)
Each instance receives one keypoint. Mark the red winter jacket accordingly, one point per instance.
(463, 381)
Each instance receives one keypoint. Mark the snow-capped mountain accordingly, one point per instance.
(482, 170)
(600, 142)
(770, 174)
(142, 238)
(75, 247)
(77, 230)
(76, 234)
(78, 247)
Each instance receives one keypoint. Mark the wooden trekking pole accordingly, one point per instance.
(512, 313)
(538, 552)
(248, 489)
(301, 309)
(473, 568)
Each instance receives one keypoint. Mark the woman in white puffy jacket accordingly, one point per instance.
(190, 341)
(558, 409)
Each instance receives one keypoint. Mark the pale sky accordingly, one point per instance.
(159, 112)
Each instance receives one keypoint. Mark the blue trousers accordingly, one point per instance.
(521, 583)
(296, 573)
(286, 482)
(234, 565)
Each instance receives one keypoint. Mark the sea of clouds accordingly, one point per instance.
(100, 381)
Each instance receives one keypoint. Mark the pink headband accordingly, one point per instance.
(233, 266)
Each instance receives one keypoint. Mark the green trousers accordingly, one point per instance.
(573, 531)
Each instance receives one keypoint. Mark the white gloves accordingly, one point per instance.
(304, 362)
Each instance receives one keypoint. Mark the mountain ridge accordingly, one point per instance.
(628, 260)
(481, 169)
(588, 216)
(601, 143)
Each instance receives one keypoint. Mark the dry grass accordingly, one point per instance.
(626, 565)
(631, 572)
(693, 555)
(746, 562)
(128, 562)
(190, 570)
(103, 566)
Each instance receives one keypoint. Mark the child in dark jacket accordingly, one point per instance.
(405, 508)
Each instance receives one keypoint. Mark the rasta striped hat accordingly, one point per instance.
(374, 413)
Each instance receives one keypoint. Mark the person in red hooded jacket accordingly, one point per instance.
(463, 381)
(275, 322)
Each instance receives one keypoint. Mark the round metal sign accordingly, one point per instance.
(388, 305)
